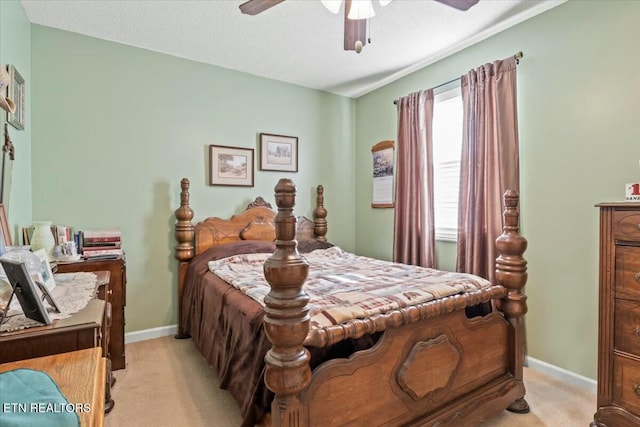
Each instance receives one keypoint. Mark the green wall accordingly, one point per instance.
(15, 49)
(579, 114)
(115, 128)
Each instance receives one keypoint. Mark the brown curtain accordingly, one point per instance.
(413, 228)
(490, 162)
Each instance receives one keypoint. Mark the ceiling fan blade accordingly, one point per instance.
(459, 4)
(354, 29)
(254, 7)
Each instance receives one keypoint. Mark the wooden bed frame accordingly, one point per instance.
(433, 365)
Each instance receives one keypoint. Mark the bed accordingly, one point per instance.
(454, 360)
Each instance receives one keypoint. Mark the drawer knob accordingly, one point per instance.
(636, 389)
(637, 331)
(637, 276)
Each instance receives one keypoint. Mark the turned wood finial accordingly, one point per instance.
(286, 317)
(184, 228)
(511, 267)
(320, 216)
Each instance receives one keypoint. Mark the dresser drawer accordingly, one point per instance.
(626, 225)
(627, 272)
(627, 326)
(626, 374)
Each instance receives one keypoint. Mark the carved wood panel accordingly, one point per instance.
(371, 387)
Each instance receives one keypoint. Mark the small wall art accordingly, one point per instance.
(278, 153)
(230, 166)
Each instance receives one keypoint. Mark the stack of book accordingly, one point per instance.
(101, 244)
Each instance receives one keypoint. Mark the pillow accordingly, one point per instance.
(309, 245)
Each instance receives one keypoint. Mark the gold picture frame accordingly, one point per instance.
(16, 91)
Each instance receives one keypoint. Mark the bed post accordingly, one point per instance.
(511, 272)
(184, 249)
(320, 216)
(286, 319)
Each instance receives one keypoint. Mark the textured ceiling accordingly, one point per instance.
(297, 41)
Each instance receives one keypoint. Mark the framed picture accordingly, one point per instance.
(46, 275)
(16, 91)
(25, 291)
(4, 225)
(382, 154)
(230, 166)
(278, 153)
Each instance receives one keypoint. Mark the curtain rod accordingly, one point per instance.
(518, 56)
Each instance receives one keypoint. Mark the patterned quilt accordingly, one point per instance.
(343, 286)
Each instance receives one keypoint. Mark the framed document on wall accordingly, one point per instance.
(383, 174)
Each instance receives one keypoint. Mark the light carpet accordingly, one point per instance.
(167, 382)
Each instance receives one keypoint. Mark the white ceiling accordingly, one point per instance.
(297, 41)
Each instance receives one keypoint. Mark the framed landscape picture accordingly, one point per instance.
(230, 166)
(278, 153)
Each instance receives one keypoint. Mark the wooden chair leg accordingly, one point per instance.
(108, 401)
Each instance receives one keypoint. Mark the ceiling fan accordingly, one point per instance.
(356, 13)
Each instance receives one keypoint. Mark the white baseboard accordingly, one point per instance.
(562, 374)
(149, 334)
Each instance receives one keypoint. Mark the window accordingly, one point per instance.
(447, 148)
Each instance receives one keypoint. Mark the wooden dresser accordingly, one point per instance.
(619, 316)
(116, 296)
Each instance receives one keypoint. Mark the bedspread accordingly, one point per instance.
(343, 286)
(226, 326)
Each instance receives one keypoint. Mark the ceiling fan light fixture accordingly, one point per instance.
(332, 6)
(361, 9)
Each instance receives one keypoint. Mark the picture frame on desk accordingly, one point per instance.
(25, 290)
(46, 274)
(5, 294)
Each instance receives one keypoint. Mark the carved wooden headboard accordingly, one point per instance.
(255, 223)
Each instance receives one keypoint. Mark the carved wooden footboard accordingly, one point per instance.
(432, 365)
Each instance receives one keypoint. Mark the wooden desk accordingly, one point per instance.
(87, 328)
(80, 376)
(80, 331)
(83, 329)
